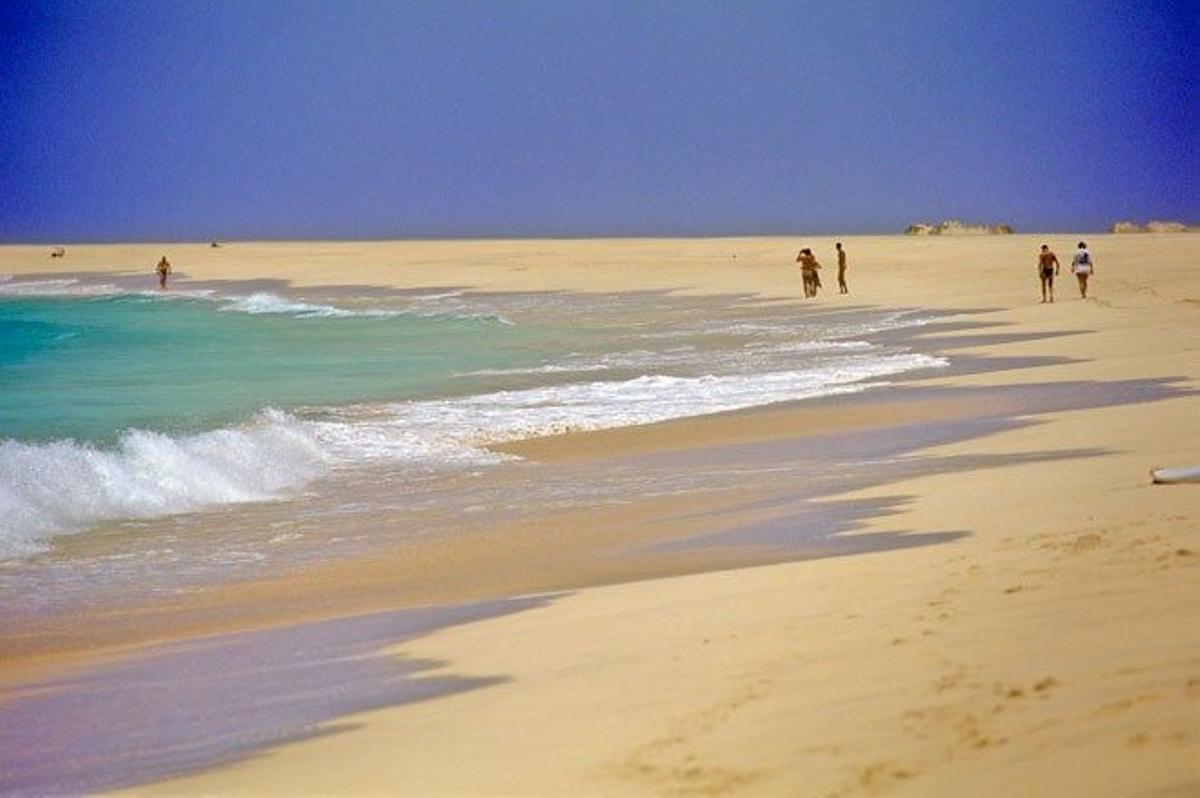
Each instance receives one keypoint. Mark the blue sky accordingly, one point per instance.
(185, 120)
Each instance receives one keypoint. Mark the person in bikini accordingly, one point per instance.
(163, 269)
(1047, 269)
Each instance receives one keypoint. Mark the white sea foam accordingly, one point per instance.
(263, 302)
(679, 357)
(806, 347)
(510, 415)
(56, 287)
(643, 359)
(54, 488)
(256, 303)
(549, 368)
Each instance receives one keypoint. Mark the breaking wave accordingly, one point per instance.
(49, 489)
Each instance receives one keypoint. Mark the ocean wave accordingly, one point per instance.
(548, 368)
(642, 359)
(78, 289)
(257, 303)
(789, 328)
(56, 287)
(263, 302)
(267, 303)
(677, 358)
(811, 347)
(511, 415)
(49, 489)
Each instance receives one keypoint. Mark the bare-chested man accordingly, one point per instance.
(1047, 269)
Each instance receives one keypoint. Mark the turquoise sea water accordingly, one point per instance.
(90, 369)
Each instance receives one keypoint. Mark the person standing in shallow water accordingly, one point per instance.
(808, 272)
(1084, 267)
(1047, 269)
(841, 253)
(163, 268)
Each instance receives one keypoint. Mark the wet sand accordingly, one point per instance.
(1042, 641)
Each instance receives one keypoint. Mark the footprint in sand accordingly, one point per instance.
(1116, 707)
(1013, 692)
(1086, 542)
(882, 776)
(1138, 740)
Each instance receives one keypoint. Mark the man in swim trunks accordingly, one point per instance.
(842, 289)
(163, 268)
(1047, 269)
(1084, 267)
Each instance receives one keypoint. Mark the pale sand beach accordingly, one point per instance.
(1042, 639)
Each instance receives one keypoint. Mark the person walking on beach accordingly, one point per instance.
(1084, 267)
(163, 268)
(808, 272)
(1047, 269)
(841, 253)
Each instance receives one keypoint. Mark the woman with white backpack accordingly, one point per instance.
(1084, 267)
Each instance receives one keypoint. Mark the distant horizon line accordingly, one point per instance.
(557, 237)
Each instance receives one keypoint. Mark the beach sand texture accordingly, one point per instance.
(1049, 646)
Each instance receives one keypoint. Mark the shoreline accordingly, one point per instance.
(714, 729)
(902, 419)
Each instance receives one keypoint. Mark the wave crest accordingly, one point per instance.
(54, 488)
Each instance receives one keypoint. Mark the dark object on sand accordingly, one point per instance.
(58, 252)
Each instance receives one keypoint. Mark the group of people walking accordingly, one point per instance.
(810, 275)
(1082, 265)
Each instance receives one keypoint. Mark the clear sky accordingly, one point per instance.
(169, 119)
